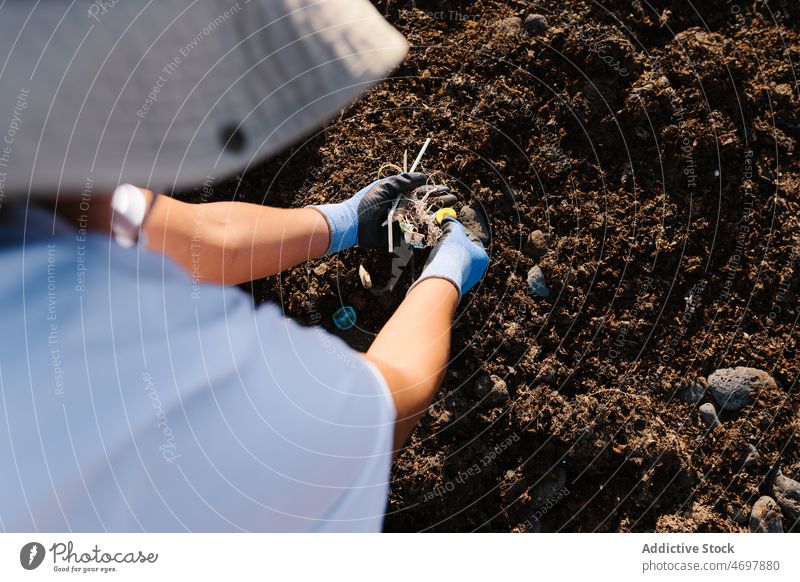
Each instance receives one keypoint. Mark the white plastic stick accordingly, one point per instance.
(419, 156)
(390, 218)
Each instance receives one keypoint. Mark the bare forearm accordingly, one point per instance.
(260, 241)
(413, 348)
(234, 242)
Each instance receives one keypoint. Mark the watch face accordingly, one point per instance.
(131, 207)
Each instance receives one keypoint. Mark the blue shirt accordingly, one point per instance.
(132, 399)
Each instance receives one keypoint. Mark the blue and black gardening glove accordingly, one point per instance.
(360, 220)
(458, 257)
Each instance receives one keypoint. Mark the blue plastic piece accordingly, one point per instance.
(344, 317)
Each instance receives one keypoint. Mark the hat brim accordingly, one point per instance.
(170, 94)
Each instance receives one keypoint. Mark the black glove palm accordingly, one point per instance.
(362, 219)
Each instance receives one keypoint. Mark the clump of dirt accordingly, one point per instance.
(653, 144)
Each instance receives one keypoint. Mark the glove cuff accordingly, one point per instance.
(450, 263)
(342, 224)
(424, 277)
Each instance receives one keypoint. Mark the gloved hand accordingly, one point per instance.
(459, 257)
(360, 219)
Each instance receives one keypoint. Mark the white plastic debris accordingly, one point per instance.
(390, 218)
(417, 221)
(366, 280)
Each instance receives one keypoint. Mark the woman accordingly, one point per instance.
(140, 391)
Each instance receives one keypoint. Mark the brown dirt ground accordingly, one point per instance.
(656, 148)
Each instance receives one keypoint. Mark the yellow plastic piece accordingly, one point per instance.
(388, 165)
(442, 212)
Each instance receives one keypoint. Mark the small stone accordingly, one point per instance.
(751, 457)
(476, 222)
(492, 389)
(549, 487)
(366, 280)
(740, 517)
(733, 388)
(693, 393)
(787, 493)
(709, 415)
(536, 282)
(510, 25)
(766, 516)
(536, 24)
(536, 245)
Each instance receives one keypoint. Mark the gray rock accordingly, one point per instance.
(536, 282)
(787, 493)
(476, 222)
(750, 457)
(536, 24)
(766, 516)
(733, 388)
(693, 393)
(492, 389)
(536, 245)
(511, 25)
(548, 489)
(740, 517)
(709, 415)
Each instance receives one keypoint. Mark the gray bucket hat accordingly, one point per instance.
(168, 93)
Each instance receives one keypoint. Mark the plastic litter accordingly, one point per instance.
(366, 280)
(344, 317)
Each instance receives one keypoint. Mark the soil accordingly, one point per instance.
(654, 145)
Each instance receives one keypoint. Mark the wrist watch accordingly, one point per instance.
(130, 209)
